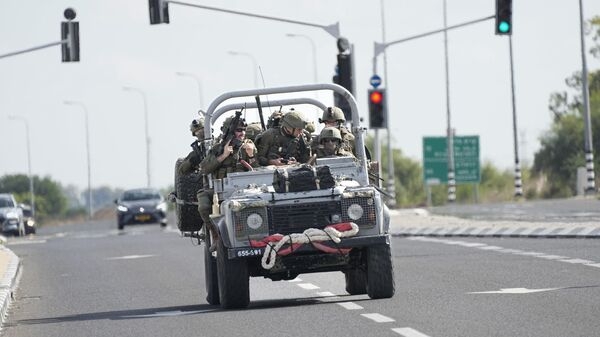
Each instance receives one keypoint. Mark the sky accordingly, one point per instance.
(120, 48)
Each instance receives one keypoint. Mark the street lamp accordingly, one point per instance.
(314, 52)
(139, 91)
(197, 79)
(254, 63)
(31, 194)
(87, 146)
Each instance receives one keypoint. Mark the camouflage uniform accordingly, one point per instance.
(232, 163)
(193, 159)
(330, 144)
(335, 114)
(253, 130)
(276, 143)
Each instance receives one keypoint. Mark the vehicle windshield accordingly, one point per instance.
(140, 195)
(6, 203)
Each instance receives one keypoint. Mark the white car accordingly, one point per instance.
(11, 216)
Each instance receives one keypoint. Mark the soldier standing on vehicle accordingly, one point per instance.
(234, 153)
(334, 117)
(330, 144)
(286, 144)
(193, 159)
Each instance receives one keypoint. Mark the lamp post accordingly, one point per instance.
(197, 79)
(143, 94)
(314, 53)
(87, 147)
(254, 63)
(31, 193)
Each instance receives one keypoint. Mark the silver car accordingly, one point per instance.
(11, 216)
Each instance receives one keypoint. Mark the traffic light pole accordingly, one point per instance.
(333, 29)
(34, 48)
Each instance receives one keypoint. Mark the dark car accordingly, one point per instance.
(141, 205)
(28, 219)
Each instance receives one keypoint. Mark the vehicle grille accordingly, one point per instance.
(240, 220)
(295, 218)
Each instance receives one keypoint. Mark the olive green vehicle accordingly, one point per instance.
(336, 227)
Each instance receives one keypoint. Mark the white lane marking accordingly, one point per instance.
(552, 257)
(378, 318)
(409, 332)
(326, 294)
(297, 279)
(350, 306)
(514, 291)
(597, 265)
(28, 242)
(129, 257)
(308, 286)
(490, 248)
(471, 244)
(577, 261)
(531, 254)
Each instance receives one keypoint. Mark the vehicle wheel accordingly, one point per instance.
(210, 274)
(121, 226)
(380, 272)
(356, 281)
(163, 224)
(234, 281)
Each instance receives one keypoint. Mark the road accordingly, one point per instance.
(89, 280)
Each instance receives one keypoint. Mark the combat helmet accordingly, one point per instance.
(333, 113)
(196, 124)
(330, 132)
(252, 130)
(228, 120)
(294, 120)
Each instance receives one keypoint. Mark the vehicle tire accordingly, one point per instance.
(380, 272)
(186, 189)
(356, 281)
(234, 281)
(121, 226)
(211, 279)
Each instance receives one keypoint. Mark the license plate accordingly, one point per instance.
(142, 217)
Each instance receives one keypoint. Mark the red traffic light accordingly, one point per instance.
(375, 97)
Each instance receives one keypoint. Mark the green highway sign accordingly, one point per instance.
(466, 160)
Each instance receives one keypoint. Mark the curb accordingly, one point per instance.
(8, 283)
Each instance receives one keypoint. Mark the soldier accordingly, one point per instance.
(252, 130)
(330, 144)
(193, 159)
(334, 117)
(231, 154)
(286, 144)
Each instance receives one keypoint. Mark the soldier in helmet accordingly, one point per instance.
(330, 143)
(252, 130)
(286, 144)
(193, 159)
(334, 117)
(231, 154)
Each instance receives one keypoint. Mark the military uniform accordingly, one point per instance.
(330, 144)
(335, 114)
(285, 142)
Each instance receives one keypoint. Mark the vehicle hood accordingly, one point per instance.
(5, 210)
(141, 203)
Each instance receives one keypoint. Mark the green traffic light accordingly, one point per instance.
(503, 27)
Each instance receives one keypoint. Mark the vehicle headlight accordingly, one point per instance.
(355, 211)
(162, 206)
(122, 208)
(254, 221)
(30, 222)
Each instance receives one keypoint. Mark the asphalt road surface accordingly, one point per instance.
(91, 280)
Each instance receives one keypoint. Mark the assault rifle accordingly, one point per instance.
(229, 133)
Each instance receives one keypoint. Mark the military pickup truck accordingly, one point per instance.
(268, 232)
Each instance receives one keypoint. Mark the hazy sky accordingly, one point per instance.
(120, 48)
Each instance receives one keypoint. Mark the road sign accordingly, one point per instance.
(466, 160)
(375, 81)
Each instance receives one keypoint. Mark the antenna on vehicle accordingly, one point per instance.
(264, 86)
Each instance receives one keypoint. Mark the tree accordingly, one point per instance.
(49, 198)
(562, 147)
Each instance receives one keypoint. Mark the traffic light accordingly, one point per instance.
(69, 32)
(503, 17)
(344, 75)
(377, 109)
(159, 11)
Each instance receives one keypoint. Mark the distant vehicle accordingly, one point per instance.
(11, 216)
(141, 205)
(28, 220)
